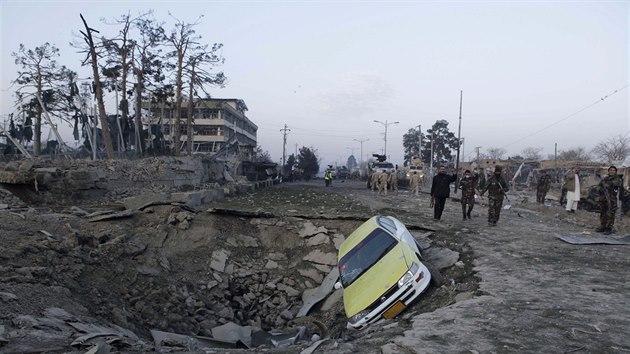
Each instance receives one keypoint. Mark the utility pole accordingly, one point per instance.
(459, 133)
(296, 150)
(284, 131)
(477, 147)
(361, 142)
(420, 142)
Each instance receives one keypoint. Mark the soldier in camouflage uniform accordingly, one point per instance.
(497, 187)
(468, 186)
(374, 180)
(382, 182)
(608, 191)
(542, 187)
(393, 180)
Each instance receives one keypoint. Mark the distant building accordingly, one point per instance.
(218, 124)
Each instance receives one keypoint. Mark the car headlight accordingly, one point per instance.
(354, 319)
(408, 276)
(414, 267)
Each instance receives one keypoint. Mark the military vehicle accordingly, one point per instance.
(415, 165)
(380, 164)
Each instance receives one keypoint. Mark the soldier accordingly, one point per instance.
(497, 187)
(393, 180)
(374, 180)
(468, 184)
(542, 187)
(608, 191)
(414, 182)
(382, 181)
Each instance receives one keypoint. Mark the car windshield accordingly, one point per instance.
(369, 251)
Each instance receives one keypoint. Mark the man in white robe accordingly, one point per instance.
(573, 190)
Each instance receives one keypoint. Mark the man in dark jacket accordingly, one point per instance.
(497, 187)
(440, 190)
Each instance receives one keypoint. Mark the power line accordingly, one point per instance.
(569, 116)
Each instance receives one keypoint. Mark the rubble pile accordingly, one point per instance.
(55, 182)
(162, 276)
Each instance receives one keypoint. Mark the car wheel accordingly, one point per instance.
(436, 277)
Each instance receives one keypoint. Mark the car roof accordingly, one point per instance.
(358, 235)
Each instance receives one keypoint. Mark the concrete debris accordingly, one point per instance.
(313, 347)
(166, 341)
(318, 239)
(112, 215)
(231, 332)
(312, 274)
(281, 340)
(218, 260)
(320, 257)
(271, 265)
(309, 229)
(324, 289)
(338, 240)
(441, 258)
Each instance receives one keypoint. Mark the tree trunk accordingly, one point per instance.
(178, 102)
(99, 95)
(189, 121)
(138, 122)
(37, 136)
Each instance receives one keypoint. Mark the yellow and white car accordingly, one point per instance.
(380, 271)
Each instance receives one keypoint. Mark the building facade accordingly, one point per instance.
(217, 124)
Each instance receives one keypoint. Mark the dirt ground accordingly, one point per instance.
(66, 277)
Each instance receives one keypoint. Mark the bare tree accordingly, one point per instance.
(496, 153)
(613, 149)
(42, 77)
(146, 63)
(181, 38)
(198, 71)
(98, 91)
(532, 153)
(120, 49)
(574, 154)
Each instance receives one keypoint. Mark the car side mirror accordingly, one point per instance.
(338, 285)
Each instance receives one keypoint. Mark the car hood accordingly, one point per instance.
(377, 280)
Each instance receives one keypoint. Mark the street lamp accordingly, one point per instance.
(385, 124)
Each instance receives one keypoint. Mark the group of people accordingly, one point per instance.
(496, 186)
(381, 179)
(609, 189)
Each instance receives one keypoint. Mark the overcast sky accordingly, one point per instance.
(329, 69)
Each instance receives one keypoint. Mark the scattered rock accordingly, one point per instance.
(318, 239)
(320, 257)
(271, 265)
(218, 260)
